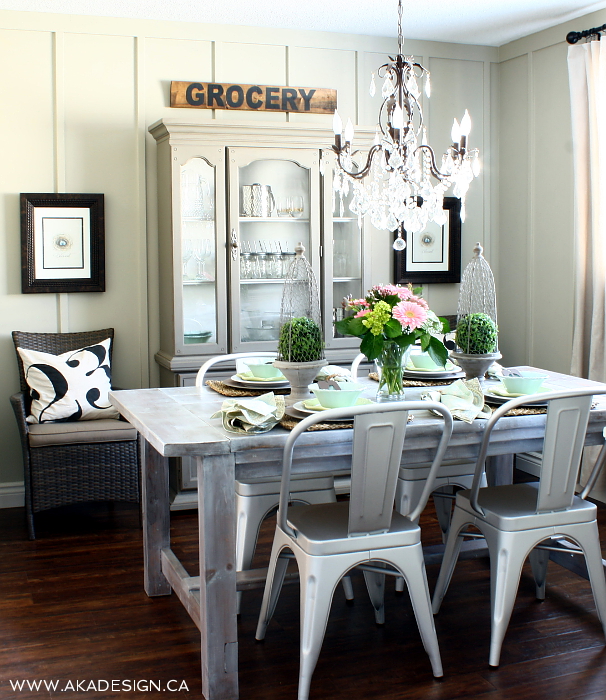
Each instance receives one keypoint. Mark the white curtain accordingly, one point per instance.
(587, 77)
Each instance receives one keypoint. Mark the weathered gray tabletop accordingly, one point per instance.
(176, 422)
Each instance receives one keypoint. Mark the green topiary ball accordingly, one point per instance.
(476, 334)
(300, 341)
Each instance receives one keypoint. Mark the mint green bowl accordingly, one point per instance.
(346, 396)
(528, 383)
(422, 360)
(264, 371)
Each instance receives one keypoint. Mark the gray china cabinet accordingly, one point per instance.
(233, 202)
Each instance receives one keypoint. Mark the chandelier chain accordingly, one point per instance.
(400, 35)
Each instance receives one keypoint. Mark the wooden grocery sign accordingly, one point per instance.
(260, 98)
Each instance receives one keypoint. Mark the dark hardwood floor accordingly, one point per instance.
(72, 608)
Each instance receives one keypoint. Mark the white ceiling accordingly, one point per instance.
(485, 22)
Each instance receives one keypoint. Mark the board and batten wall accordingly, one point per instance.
(534, 251)
(535, 244)
(80, 94)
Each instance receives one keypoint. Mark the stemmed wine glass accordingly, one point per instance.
(186, 253)
(201, 252)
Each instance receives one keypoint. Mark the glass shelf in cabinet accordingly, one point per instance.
(263, 280)
(346, 279)
(194, 282)
(271, 219)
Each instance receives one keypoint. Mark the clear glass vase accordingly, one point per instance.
(390, 365)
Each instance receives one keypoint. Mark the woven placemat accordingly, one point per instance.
(289, 423)
(419, 382)
(527, 411)
(225, 390)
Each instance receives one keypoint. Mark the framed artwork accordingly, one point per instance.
(433, 255)
(62, 243)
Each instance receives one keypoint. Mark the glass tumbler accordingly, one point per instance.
(260, 266)
(245, 266)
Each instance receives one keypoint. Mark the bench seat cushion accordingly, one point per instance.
(103, 430)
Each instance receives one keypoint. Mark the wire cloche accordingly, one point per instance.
(300, 320)
(477, 310)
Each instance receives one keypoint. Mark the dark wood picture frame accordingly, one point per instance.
(450, 262)
(62, 243)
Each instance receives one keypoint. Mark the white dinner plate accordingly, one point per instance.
(270, 384)
(300, 406)
(438, 374)
(299, 415)
(489, 397)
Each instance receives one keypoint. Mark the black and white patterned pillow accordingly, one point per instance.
(69, 387)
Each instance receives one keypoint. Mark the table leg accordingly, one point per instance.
(156, 517)
(499, 470)
(218, 623)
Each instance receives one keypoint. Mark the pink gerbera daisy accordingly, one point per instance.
(419, 300)
(410, 315)
(361, 313)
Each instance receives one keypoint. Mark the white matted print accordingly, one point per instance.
(428, 250)
(62, 242)
(434, 254)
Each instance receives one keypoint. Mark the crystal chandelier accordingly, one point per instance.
(400, 187)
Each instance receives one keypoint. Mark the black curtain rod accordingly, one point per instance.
(573, 37)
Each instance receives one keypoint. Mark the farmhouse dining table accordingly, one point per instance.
(175, 422)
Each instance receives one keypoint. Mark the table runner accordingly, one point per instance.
(288, 422)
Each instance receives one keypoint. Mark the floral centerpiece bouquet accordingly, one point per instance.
(389, 320)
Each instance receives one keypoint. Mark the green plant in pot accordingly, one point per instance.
(477, 340)
(300, 341)
(300, 356)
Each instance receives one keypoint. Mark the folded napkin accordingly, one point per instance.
(250, 377)
(464, 398)
(340, 374)
(500, 390)
(495, 371)
(250, 416)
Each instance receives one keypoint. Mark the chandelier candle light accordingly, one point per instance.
(395, 187)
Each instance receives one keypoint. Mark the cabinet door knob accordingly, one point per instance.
(234, 244)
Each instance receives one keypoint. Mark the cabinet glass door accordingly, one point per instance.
(345, 257)
(197, 254)
(274, 205)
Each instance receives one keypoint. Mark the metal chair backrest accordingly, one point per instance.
(378, 439)
(56, 344)
(355, 365)
(565, 428)
(227, 358)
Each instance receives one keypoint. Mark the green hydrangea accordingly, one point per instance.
(377, 318)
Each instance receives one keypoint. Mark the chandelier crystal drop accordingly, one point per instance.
(400, 187)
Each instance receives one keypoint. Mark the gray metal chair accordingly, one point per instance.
(329, 540)
(72, 462)
(256, 498)
(453, 475)
(516, 518)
